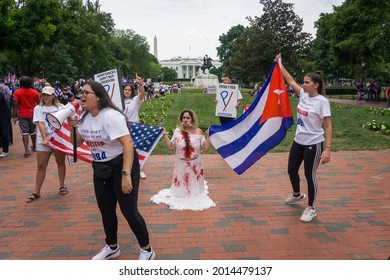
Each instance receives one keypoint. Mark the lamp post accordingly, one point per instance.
(363, 72)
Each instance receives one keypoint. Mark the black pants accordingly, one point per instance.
(310, 155)
(4, 133)
(109, 191)
(224, 120)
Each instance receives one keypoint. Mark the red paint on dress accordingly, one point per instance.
(188, 149)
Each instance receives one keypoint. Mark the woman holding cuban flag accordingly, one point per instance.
(313, 113)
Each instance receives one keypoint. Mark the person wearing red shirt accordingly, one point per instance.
(25, 100)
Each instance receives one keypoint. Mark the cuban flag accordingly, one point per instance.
(262, 127)
(145, 138)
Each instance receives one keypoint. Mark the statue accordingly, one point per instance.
(206, 64)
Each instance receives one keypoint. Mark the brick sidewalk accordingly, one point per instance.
(250, 220)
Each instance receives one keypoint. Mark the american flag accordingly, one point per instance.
(145, 138)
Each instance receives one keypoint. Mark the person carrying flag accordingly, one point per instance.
(313, 112)
(133, 102)
(103, 127)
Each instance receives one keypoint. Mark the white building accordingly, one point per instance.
(186, 67)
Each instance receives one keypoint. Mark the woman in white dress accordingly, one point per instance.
(189, 189)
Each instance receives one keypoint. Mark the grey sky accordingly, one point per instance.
(192, 27)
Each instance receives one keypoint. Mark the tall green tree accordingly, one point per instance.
(7, 20)
(227, 42)
(356, 38)
(35, 22)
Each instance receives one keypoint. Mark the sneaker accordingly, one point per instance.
(107, 253)
(145, 255)
(3, 154)
(293, 199)
(308, 214)
(142, 175)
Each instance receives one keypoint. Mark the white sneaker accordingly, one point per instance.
(107, 253)
(142, 175)
(308, 214)
(145, 255)
(293, 199)
(3, 154)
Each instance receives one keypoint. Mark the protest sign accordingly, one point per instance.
(227, 100)
(111, 82)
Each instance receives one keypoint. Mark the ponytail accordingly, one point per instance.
(317, 77)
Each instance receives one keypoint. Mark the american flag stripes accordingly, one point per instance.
(145, 138)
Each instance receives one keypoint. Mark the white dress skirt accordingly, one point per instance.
(189, 189)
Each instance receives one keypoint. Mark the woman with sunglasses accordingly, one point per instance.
(48, 104)
(116, 169)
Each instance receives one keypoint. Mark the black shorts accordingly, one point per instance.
(27, 127)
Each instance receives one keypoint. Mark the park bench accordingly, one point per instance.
(349, 93)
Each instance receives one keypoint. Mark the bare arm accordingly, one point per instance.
(15, 111)
(206, 146)
(128, 158)
(140, 81)
(167, 141)
(289, 79)
(42, 130)
(325, 156)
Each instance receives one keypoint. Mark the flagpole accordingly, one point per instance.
(74, 145)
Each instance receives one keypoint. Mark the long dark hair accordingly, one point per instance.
(132, 88)
(317, 77)
(104, 101)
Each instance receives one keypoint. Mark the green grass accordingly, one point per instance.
(347, 121)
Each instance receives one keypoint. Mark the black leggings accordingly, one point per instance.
(108, 192)
(311, 157)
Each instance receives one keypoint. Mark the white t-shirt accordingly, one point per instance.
(101, 133)
(310, 115)
(239, 95)
(132, 108)
(40, 113)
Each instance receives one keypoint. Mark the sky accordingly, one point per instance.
(191, 28)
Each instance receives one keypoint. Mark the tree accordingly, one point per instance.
(61, 66)
(356, 37)
(7, 10)
(168, 74)
(225, 50)
(68, 38)
(29, 37)
(278, 30)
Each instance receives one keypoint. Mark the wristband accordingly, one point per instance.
(125, 172)
(327, 146)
